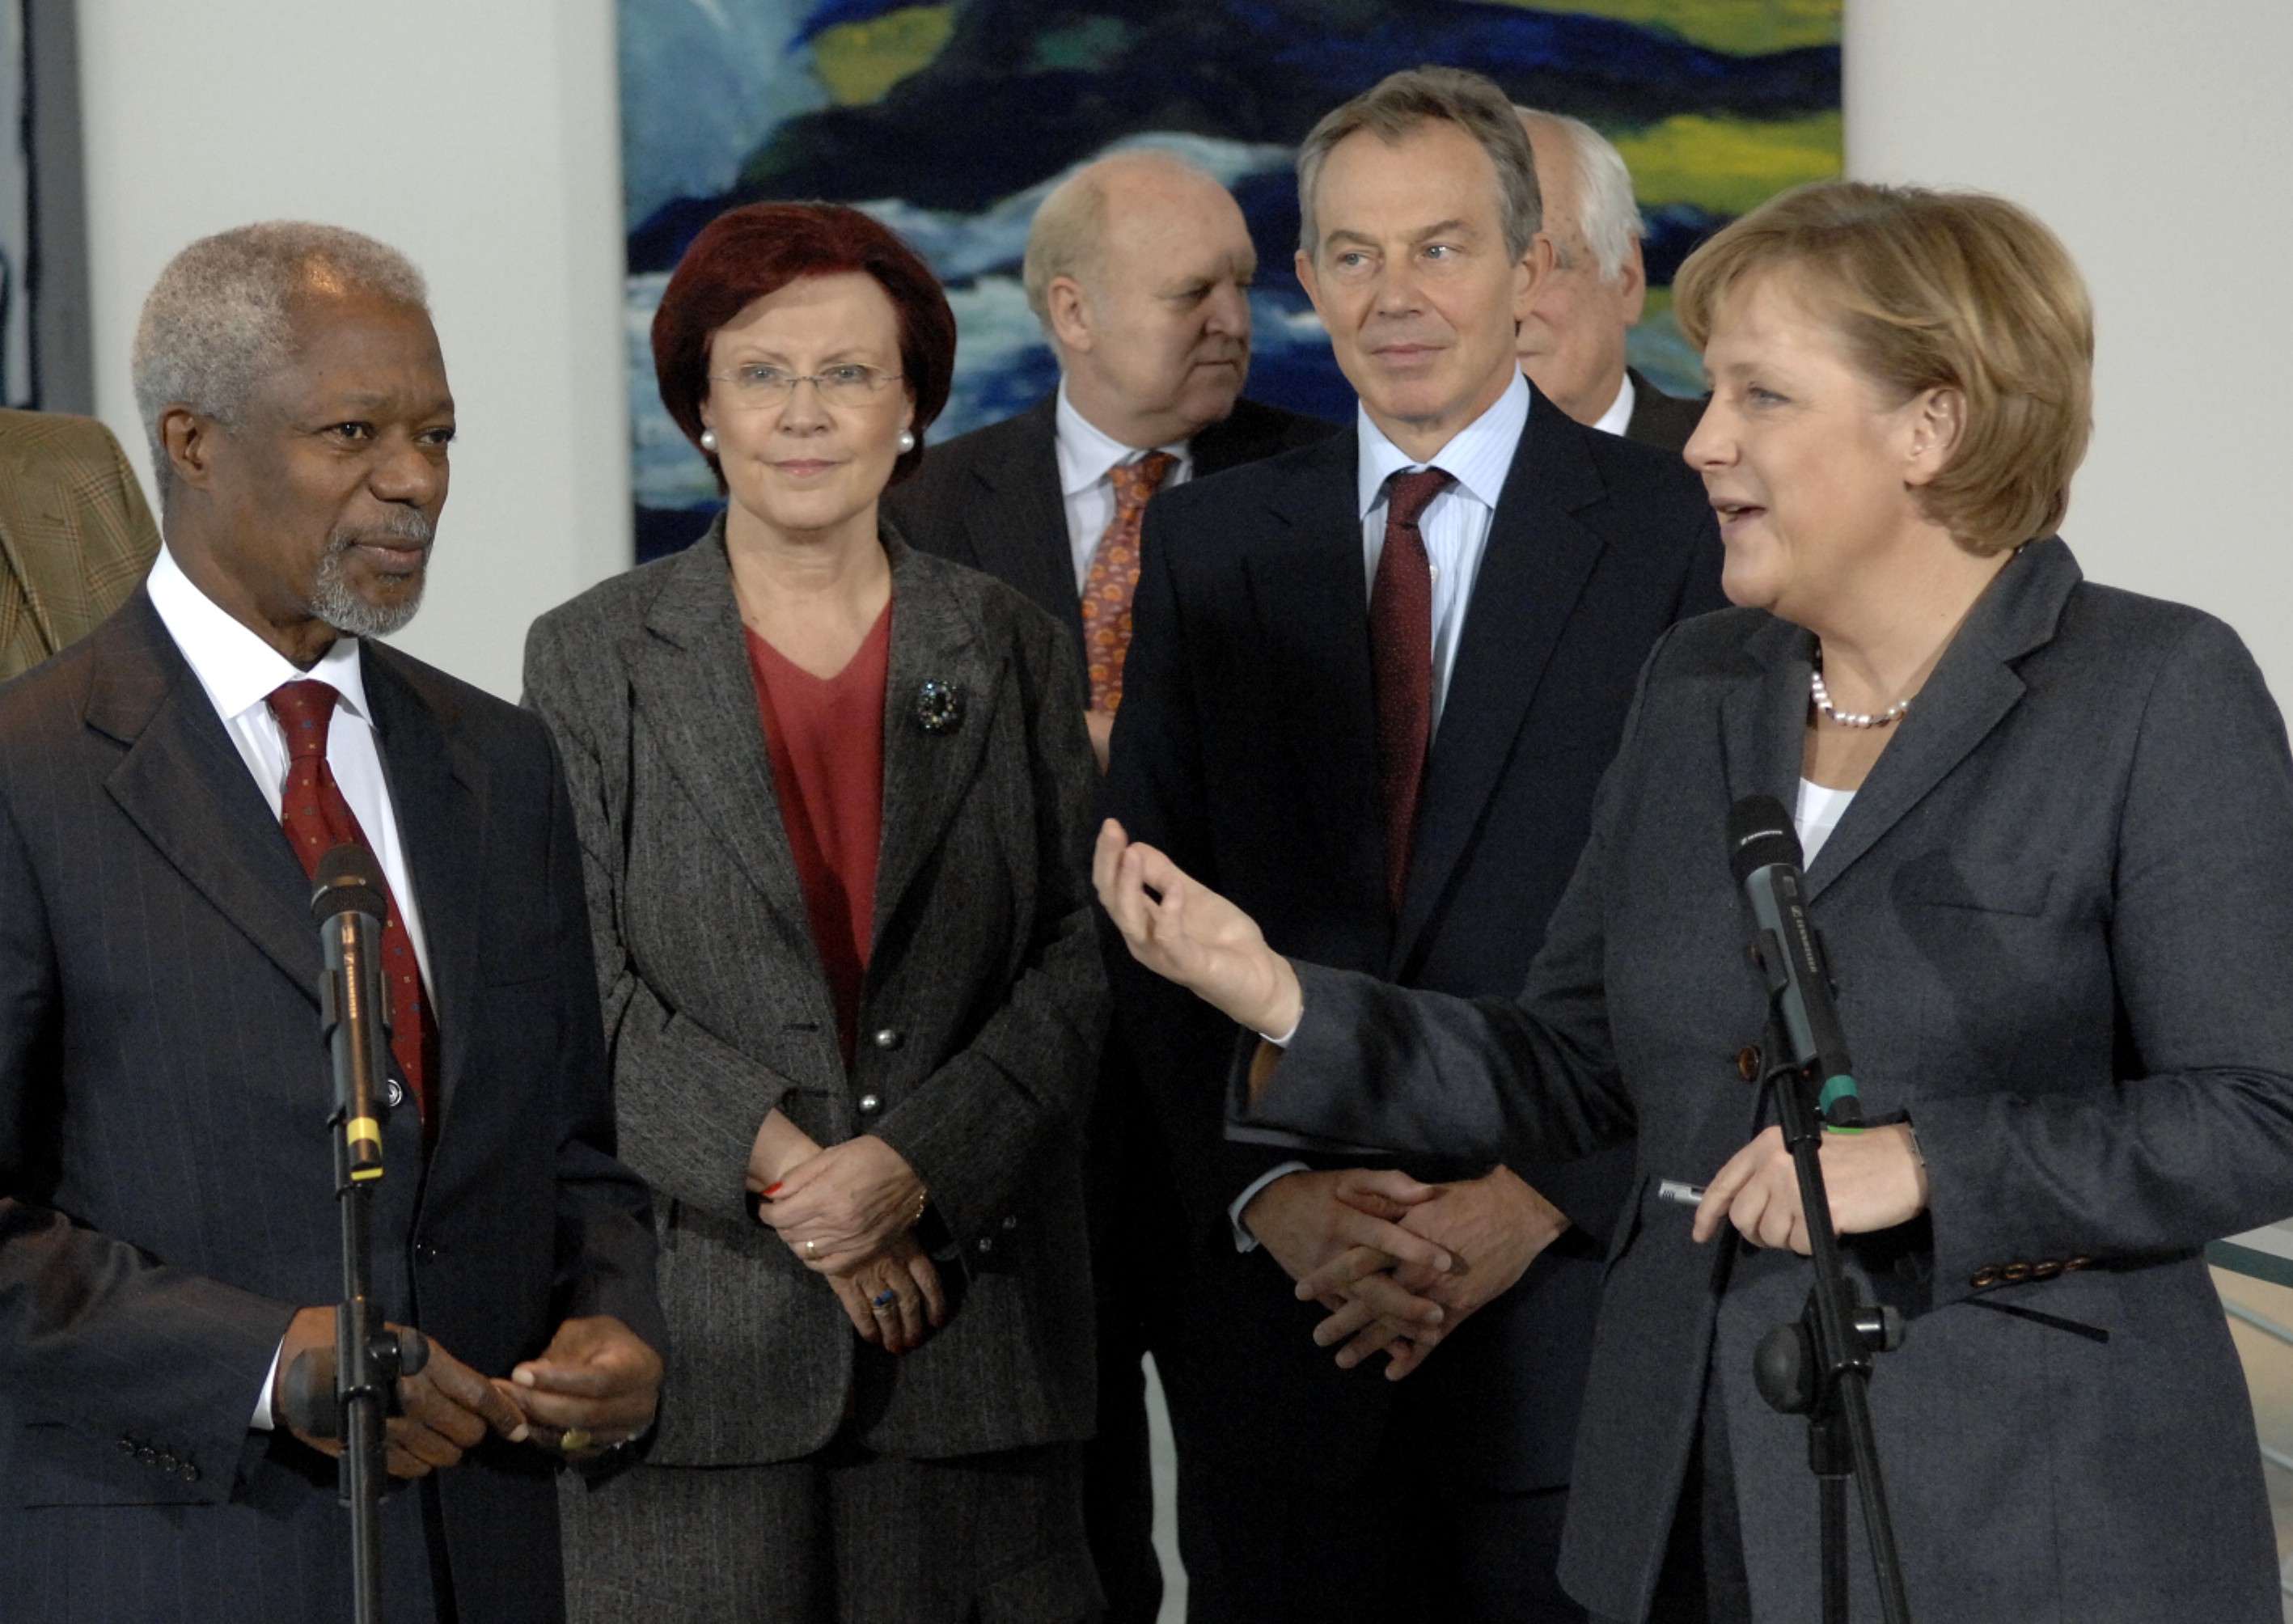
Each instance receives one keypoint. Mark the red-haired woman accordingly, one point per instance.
(833, 796)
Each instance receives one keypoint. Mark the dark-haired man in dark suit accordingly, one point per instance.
(1374, 685)
(169, 1243)
(1139, 267)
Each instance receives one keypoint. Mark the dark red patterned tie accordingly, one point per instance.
(1114, 577)
(1401, 664)
(318, 819)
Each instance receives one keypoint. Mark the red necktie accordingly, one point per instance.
(318, 819)
(1114, 578)
(1401, 664)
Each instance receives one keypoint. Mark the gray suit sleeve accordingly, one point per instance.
(694, 1100)
(95, 1333)
(978, 1129)
(2197, 1143)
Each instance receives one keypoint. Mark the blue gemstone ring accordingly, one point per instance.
(884, 1299)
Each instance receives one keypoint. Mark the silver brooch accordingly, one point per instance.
(939, 706)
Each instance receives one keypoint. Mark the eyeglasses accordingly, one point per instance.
(849, 384)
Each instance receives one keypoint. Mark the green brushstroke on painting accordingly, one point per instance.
(1086, 46)
(1727, 165)
(859, 62)
(1743, 27)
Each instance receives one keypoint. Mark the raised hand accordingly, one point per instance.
(1187, 932)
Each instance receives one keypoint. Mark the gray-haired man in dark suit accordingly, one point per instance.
(168, 1234)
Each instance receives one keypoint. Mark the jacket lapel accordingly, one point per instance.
(1535, 565)
(926, 768)
(689, 670)
(184, 784)
(1974, 686)
(441, 828)
(1018, 529)
(1764, 717)
(1311, 601)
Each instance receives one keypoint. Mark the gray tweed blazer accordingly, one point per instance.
(980, 1023)
(2060, 913)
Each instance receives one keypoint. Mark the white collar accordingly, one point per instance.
(1087, 452)
(1619, 415)
(237, 669)
(1477, 456)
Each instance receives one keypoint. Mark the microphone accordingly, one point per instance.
(1764, 854)
(353, 1014)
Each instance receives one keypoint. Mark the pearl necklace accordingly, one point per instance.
(1848, 718)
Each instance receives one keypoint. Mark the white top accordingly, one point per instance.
(1086, 455)
(239, 671)
(1819, 813)
(1456, 524)
(1620, 409)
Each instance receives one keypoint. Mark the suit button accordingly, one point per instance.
(986, 1243)
(1011, 1222)
(2080, 1263)
(168, 1463)
(126, 1444)
(2046, 1270)
(395, 1093)
(2015, 1273)
(889, 1038)
(189, 1474)
(1985, 1279)
(145, 1453)
(1748, 1064)
(869, 1105)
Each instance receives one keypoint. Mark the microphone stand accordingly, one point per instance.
(353, 1023)
(1820, 1365)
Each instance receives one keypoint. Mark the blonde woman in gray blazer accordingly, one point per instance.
(2058, 904)
(857, 1102)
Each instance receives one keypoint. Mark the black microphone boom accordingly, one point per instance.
(1764, 854)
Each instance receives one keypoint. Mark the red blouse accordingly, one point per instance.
(826, 738)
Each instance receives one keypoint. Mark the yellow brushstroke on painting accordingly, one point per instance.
(1729, 164)
(859, 62)
(1746, 28)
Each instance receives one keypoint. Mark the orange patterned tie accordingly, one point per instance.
(1114, 577)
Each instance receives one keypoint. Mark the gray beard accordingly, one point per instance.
(332, 600)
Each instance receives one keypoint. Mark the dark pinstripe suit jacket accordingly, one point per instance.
(167, 1190)
(2060, 912)
(980, 1016)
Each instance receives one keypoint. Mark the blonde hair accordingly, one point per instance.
(1937, 290)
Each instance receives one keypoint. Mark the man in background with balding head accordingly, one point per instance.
(1572, 339)
(1138, 266)
(170, 1252)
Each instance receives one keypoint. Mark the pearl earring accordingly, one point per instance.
(708, 440)
(907, 442)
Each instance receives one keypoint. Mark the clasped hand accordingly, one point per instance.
(848, 1213)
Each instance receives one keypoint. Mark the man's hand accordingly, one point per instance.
(893, 1300)
(1185, 933)
(1495, 1226)
(1873, 1178)
(1309, 1222)
(596, 1386)
(843, 1205)
(448, 1406)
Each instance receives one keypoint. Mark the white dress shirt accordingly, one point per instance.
(239, 670)
(1086, 456)
(1455, 530)
(1819, 813)
(1619, 414)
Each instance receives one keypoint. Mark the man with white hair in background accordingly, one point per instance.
(1572, 340)
(169, 1245)
(1138, 266)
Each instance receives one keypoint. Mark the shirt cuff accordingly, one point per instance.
(260, 1421)
(1244, 1241)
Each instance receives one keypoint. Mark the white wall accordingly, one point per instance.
(2158, 141)
(479, 136)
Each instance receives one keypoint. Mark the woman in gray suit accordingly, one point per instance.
(833, 796)
(2050, 839)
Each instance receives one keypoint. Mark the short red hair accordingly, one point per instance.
(759, 248)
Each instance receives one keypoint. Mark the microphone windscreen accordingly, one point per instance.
(1760, 833)
(348, 881)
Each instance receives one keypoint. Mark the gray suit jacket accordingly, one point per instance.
(980, 1019)
(2060, 913)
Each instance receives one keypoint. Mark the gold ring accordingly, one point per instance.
(573, 1440)
(812, 1248)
